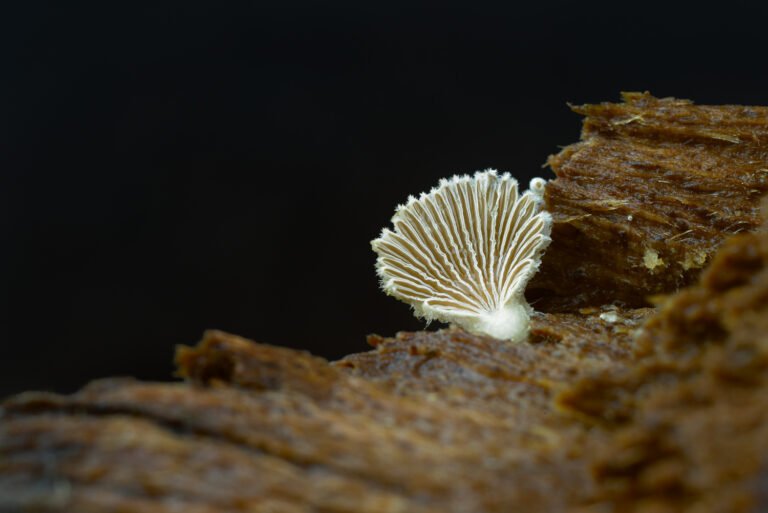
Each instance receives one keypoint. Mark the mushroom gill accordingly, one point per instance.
(464, 252)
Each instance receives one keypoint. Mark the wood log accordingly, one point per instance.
(604, 408)
(644, 200)
(426, 422)
(684, 425)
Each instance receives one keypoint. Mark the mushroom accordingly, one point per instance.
(464, 252)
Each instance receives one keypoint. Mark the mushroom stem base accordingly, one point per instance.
(510, 322)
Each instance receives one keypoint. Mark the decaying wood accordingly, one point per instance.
(643, 201)
(425, 422)
(603, 409)
(684, 424)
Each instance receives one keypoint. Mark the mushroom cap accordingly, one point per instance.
(465, 251)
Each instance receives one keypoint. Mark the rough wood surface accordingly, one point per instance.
(684, 424)
(643, 201)
(604, 409)
(426, 422)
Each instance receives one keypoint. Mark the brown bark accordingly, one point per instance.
(602, 409)
(426, 422)
(647, 196)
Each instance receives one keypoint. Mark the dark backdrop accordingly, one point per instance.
(217, 165)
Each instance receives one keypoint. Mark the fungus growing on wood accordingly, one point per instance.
(464, 252)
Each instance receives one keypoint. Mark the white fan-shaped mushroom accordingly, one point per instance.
(465, 251)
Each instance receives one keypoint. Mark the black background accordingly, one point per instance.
(224, 165)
